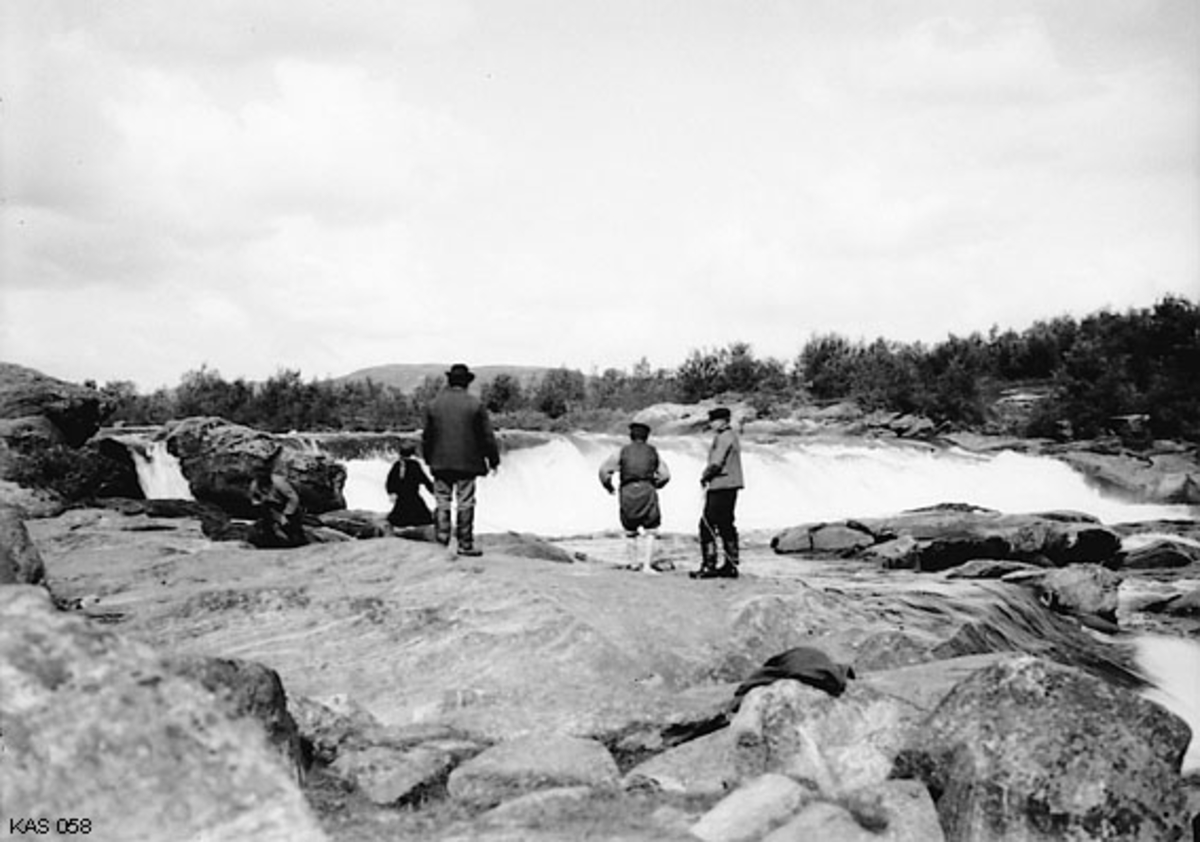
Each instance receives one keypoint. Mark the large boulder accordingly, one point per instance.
(109, 461)
(387, 775)
(97, 727)
(946, 536)
(824, 538)
(894, 811)
(1167, 477)
(749, 812)
(31, 502)
(219, 459)
(1161, 554)
(1028, 749)
(704, 766)
(32, 404)
(20, 561)
(251, 690)
(835, 744)
(1081, 590)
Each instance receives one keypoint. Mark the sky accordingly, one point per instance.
(321, 185)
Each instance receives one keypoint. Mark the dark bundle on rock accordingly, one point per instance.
(804, 664)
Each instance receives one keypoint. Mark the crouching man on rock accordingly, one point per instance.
(278, 515)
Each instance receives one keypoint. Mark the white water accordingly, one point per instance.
(1173, 666)
(553, 489)
(159, 473)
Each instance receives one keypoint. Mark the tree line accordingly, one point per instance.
(1143, 363)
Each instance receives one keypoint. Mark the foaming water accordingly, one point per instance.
(1172, 665)
(553, 490)
(159, 474)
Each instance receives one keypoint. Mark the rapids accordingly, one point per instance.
(552, 489)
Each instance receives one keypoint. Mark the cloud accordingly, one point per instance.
(170, 171)
(327, 186)
(953, 62)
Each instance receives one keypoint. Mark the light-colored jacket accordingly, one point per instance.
(724, 468)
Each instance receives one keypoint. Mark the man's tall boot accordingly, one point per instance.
(729, 543)
(708, 554)
(441, 526)
(466, 532)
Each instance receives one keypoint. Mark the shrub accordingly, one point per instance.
(75, 475)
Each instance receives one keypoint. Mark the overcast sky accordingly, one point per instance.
(325, 185)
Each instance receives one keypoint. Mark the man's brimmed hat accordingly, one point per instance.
(719, 412)
(639, 425)
(459, 373)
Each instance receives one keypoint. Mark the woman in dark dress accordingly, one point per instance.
(404, 483)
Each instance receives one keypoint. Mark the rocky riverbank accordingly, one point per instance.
(542, 692)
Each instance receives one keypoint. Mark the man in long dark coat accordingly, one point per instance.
(459, 445)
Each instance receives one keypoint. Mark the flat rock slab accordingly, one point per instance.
(529, 764)
(389, 776)
(499, 646)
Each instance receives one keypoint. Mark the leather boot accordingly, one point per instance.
(708, 555)
(466, 532)
(729, 543)
(441, 527)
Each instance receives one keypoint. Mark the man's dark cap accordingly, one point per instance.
(719, 412)
(635, 426)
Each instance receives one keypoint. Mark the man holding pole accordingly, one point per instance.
(721, 479)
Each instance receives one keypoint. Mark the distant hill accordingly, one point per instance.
(408, 376)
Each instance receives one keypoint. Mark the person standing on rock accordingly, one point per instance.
(459, 445)
(404, 483)
(721, 479)
(278, 515)
(642, 472)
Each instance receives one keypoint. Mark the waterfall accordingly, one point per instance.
(553, 490)
(159, 473)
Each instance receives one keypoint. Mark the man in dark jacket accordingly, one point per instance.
(642, 472)
(458, 445)
(722, 478)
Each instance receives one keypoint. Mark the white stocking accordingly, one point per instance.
(648, 553)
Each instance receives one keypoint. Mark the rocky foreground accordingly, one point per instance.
(543, 693)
